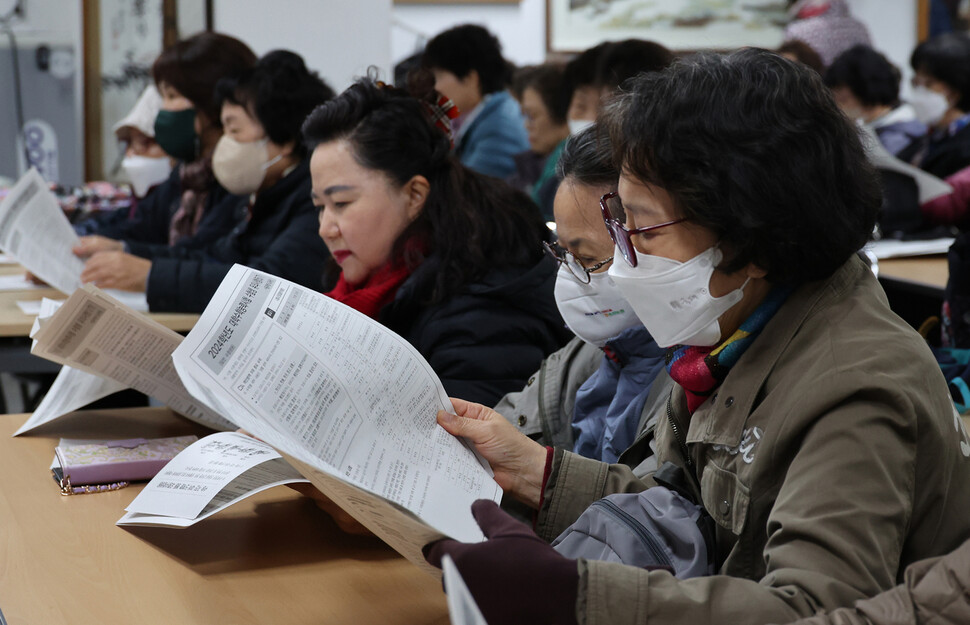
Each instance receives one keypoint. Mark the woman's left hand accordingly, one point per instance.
(117, 270)
(517, 461)
(515, 576)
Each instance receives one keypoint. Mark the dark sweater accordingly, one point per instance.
(148, 226)
(486, 339)
(280, 238)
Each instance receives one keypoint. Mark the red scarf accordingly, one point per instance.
(374, 293)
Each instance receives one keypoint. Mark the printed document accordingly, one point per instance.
(35, 231)
(929, 186)
(346, 401)
(97, 334)
(207, 477)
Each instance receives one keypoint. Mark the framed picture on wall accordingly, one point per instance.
(574, 25)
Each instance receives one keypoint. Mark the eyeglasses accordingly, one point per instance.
(619, 232)
(565, 257)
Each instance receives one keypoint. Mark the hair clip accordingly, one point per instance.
(441, 112)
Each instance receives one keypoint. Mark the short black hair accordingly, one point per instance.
(752, 147)
(279, 92)
(390, 130)
(625, 59)
(547, 80)
(869, 75)
(947, 59)
(193, 66)
(468, 47)
(588, 159)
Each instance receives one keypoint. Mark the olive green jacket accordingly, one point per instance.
(830, 458)
(935, 591)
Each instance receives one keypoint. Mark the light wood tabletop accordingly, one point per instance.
(14, 323)
(926, 271)
(273, 558)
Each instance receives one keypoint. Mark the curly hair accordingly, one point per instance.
(468, 47)
(752, 147)
(279, 92)
(471, 222)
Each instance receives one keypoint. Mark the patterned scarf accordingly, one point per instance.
(197, 178)
(700, 370)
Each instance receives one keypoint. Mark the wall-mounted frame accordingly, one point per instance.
(575, 25)
(121, 40)
(457, 1)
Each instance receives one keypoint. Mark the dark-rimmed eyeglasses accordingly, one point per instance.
(565, 257)
(620, 233)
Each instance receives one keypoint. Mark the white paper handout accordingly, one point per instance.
(34, 229)
(18, 282)
(349, 403)
(72, 390)
(930, 187)
(99, 335)
(462, 608)
(892, 248)
(206, 477)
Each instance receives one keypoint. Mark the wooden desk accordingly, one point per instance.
(273, 558)
(928, 272)
(14, 323)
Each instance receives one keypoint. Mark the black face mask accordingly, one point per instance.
(175, 133)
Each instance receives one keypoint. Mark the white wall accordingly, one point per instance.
(338, 38)
(520, 27)
(892, 25)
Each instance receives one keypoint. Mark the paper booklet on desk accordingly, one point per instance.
(347, 402)
(96, 334)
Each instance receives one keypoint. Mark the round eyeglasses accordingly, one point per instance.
(613, 215)
(565, 257)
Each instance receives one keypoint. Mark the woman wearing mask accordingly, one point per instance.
(811, 421)
(590, 395)
(866, 87)
(145, 163)
(544, 104)
(190, 208)
(441, 255)
(261, 158)
(941, 97)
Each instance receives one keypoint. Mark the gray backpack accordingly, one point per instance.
(657, 528)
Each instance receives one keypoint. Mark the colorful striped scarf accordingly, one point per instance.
(700, 370)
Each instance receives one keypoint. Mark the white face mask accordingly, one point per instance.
(144, 172)
(241, 167)
(930, 105)
(576, 126)
(595, 312)
(672, 299)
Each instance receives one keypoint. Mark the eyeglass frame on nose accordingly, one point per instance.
(619, 232)
(586, 278)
